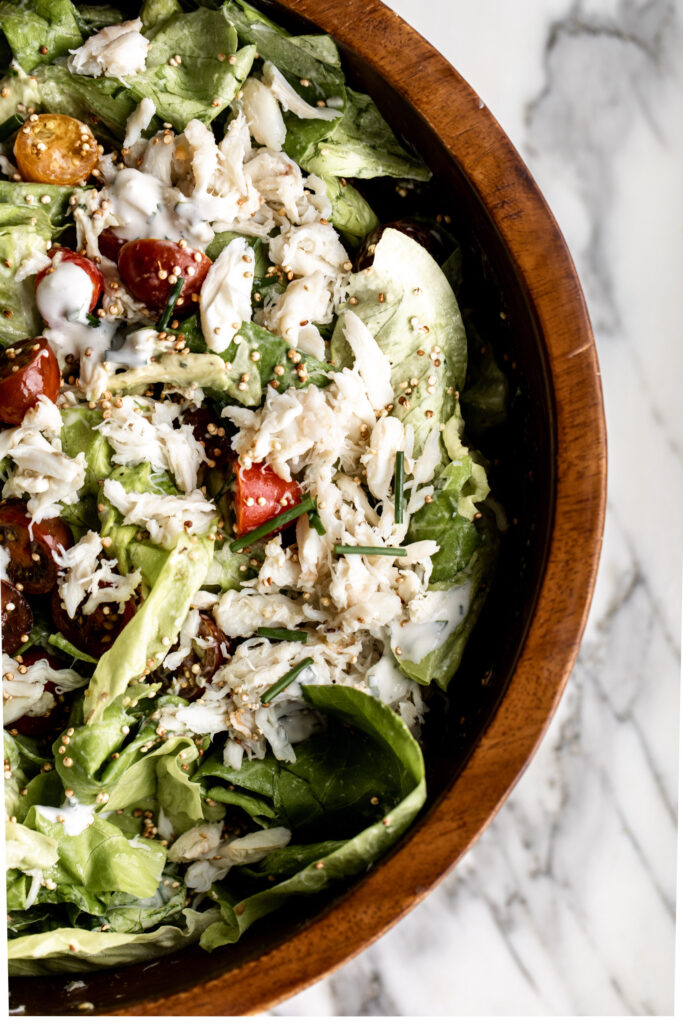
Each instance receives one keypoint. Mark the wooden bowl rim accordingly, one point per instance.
(552, 642)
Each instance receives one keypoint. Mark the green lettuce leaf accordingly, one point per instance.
(18, 92)
(103, 103)
(359, 144)
(200, 86)
(148, 636)
(352, 215)
(41, 25)
(32, 195)
(418, 326)
(79, 434)
(101, 858)
(315, 59)
(351, 792)
(76, 950)
(23, 232)
(62, 644)
(92, 17)
(441, 663)
(26, 849)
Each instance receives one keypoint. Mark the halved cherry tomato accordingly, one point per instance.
(428, 237)
(110, 244)
(199, 667)
(94, 633)
(17, 617)
(28, 369)
(60, 255)
(53, 719)
(210, 431)
(149, 268)
(55, 149)
(260, 495)
(31, 546)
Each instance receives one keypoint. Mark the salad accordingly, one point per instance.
(242, 535)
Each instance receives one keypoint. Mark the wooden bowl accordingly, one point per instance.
(548, 470)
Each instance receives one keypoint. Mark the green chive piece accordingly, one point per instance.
(398, 488)
(284, 682)
(10, 126)
(317, 523)
(307, 505)
(297, 635)
(93, 321)
(170, 304)
(358, 549)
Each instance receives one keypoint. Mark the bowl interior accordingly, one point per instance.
(522, 458)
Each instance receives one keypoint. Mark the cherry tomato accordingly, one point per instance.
(110, 244)
(55, 149)
(260, 495)
(28, 369)
(199, 667)
(53, 719)
(149, 268)
(60, 255)
(428, 237)
(17, 617)
(32, 547)
(210, 431)
(94, 634)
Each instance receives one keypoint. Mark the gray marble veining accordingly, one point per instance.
(566, 905)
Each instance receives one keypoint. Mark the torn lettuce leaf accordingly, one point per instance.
(410, 309)
(79, 434)
(104, 104)
(359, 144)
(23, 232)
(32, 195)
(441, 663)
(75, 950)
(349, 795)
(352, 215)
(39, 32)
(199, 85)
(92, 17)
(155, 626)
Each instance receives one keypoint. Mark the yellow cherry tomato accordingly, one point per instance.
(55, 149)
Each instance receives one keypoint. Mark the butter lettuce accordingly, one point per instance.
(199, 85)
(148, 636)
(409, 307)
(38, 32)
(23, 232)
(75, 950)
(352, 791)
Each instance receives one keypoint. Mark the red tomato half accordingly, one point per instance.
(110, 244)
(260, 495)
(17, 617)
(56, 717)
(32, 567)
(149, 268)
(94, 633)
(60, 255)
(28, 369)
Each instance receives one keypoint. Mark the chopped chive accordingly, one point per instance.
(317, 523)
(10, 126)
(398, 488)
(307, 505)
(283, 634)
(170, 304)
(284, 682)
(93, 321)
(359, 549)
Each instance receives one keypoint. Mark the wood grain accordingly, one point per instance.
(418, 78)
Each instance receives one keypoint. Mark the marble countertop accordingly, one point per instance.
(566, 904)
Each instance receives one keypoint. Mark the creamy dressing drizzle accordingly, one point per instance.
(442, 613)
(74, 817)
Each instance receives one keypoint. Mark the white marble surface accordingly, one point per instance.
(566, 905)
